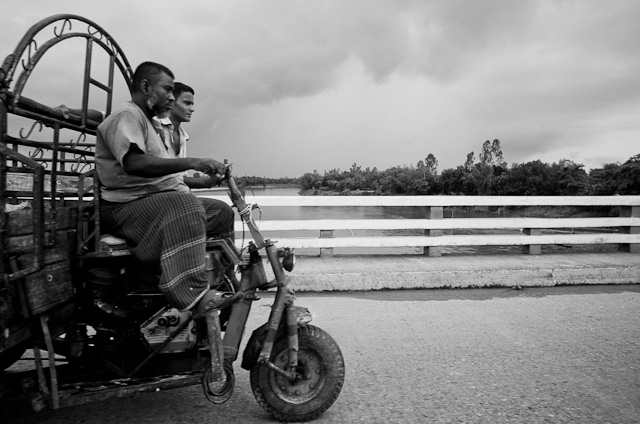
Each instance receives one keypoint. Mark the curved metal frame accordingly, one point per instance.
(28, 46)
(56, 158)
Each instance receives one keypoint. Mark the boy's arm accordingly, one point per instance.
(202, 182)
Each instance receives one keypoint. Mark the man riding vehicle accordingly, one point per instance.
(145, 200)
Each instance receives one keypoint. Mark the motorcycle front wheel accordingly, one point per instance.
(321, 367)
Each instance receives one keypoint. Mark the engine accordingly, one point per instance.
(160, 326)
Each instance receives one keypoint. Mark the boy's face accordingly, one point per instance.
(183, 107)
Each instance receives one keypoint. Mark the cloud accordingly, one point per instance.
(286, 49)
(547, 78)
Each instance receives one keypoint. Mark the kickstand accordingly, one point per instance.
(55, 396)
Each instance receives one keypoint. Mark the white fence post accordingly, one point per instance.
(629, 212)
(433, 212)
(326, 252)
(532, 249)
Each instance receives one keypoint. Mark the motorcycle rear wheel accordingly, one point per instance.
(322, 366)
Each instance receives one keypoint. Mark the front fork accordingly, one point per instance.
(283, 305)
(283, 302)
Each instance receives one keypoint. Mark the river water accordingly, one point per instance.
(389, 212)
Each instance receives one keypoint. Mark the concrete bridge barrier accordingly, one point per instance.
(357, 273)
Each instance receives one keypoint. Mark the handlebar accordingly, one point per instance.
(245, 210)
(245, 213)
(234, 192)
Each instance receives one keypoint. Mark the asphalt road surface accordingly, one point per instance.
(537, 355)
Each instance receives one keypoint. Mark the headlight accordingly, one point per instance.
(288, 258)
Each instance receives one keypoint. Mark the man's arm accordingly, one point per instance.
(135, 162)
(202, 182)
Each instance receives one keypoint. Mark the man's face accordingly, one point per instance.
(183, 107)
(160, 98)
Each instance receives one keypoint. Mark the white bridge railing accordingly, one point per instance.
(623, 230)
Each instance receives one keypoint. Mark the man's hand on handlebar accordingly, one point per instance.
(213, 180)
(210, 167)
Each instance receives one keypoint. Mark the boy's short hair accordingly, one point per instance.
(179, 88)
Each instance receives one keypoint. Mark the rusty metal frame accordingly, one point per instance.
(56, 158)
(23, 157)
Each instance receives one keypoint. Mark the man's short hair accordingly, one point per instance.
(150, 72)
(179, 88)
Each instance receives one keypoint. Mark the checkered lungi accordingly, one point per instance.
(167, 231)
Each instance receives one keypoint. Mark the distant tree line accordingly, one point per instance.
(489, 175)
(254, 181)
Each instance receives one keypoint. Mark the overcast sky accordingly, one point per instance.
(285, 87)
